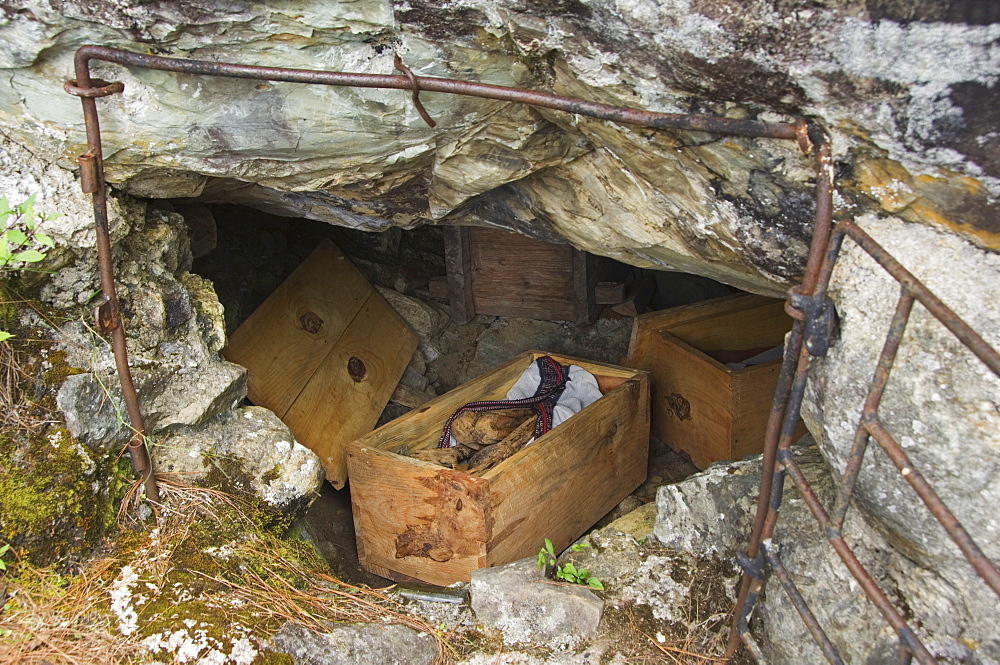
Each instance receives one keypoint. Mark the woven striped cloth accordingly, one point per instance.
(553, 383)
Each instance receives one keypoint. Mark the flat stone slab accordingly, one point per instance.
(526, 607)
(356, 644)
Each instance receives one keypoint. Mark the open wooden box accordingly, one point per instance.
(416, 520)
(700, 406)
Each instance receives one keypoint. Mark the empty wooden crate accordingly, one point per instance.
(419, 520)
(701, 406)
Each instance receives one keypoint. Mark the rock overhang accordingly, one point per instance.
(734, 209)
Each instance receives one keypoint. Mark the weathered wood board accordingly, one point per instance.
(701, 407)
(416, 520)
(324, 352)
(507, 274)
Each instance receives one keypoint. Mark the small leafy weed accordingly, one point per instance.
(21, 241)
(567, 572)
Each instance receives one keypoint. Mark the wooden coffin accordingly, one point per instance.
(324, 352)
(417, 520)
(507, 274)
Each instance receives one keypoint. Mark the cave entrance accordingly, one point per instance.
(248, 253)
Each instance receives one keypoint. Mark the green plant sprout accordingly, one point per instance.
(21, 242)
(3, 551)
(567, 572)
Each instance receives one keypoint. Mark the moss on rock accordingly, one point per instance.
(56, 499)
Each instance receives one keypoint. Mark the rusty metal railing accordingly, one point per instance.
(810, 338)
(88, 89)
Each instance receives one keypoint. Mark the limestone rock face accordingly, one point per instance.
(356, 644)
(942, 405)
(954, 613)
(173, 323)
(174, 328)
(905, 91)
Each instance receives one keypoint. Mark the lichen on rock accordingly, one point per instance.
(244, 450)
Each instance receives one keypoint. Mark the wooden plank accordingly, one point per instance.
(584, 284)
(609, 293)
(437, 287)
(637, 296)
(753, 394)
(285, 339)
(422, 427)
(458, 259)
(760, 327)
(645, 327)
(418, 519)
(514, 275)
(568, 479)
(692, 403)
(346, 394)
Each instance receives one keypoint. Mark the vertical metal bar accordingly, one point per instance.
(888, 356)
(751, 644)
(793, 366)
(138, 451)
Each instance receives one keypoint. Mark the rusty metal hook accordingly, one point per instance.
(97, 88)
(415, 83)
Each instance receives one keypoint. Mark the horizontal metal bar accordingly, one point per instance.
(731, 126)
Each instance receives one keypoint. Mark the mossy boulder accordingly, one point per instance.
(57, 496)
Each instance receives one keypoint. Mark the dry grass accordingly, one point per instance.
(700, 634)
(17, 411)
(258, 584)
(51, 619)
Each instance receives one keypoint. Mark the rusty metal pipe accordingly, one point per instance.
(983, 566)
(915, 287)
(855, 567)
(139, 454)
(860, 445)
(703, 123)
(808, 618)
(793, 368)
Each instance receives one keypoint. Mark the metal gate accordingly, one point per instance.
(810, 338)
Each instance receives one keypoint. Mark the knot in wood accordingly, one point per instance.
(680, 406)
(356, 369)
(311, 322)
